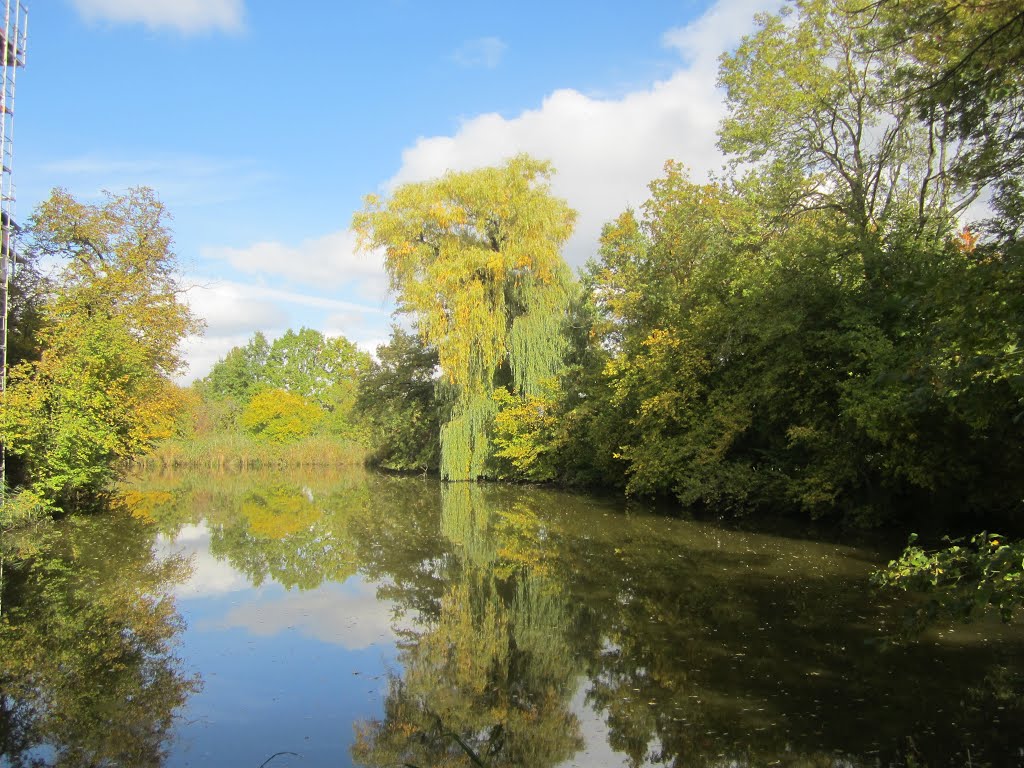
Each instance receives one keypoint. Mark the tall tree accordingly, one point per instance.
(475, 258)
(101, 389)
(325, 371)
(812, 95)
(966, 59)
(241, 373)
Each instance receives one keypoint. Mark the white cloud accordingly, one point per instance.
(354, 327)
(605, 150)
(186, 16)
(254, 300)
(719, 29)
(597, 749)
(348, 615)
(484, 52)
(209, 576)
(202, 352)
(230, 308)
(330, 260)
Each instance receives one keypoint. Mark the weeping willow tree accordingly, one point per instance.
(475, 258)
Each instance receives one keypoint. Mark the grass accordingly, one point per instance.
(239, 451)
(20, 508)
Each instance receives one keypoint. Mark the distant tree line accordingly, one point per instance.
(300, 384)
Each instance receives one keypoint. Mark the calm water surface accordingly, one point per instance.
(358, 619)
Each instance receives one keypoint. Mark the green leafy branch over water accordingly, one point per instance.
(965, 579)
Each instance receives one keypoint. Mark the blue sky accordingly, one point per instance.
(261, 125)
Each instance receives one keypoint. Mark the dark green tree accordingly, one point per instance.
(397, 400)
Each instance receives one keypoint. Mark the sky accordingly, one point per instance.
(262, 125)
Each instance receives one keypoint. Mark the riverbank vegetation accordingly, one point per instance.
(830, 329)
(286, 403)
(90, 381)
(819, 330)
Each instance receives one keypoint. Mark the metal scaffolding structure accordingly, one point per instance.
(13, 37)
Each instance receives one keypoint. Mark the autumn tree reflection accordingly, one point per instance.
(87, 637)
(292, 532)
(490, 673)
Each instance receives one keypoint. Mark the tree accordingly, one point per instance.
(280, 416)
(726, 337)
(241, 373)
(325, 371)
(88, 638)
(815, 332)
(25, 296)
(396, 399)
(527, 437)
(753, 362)
(966, 58)
(475, 258)
(101, 389)
(119, 264)
(814, 99)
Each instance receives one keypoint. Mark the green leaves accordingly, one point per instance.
(322, 372)
(963, 580)
(815, 92)
(88, 635)
(396, 400)
(99, 392)
(813, 333)
(527, 434)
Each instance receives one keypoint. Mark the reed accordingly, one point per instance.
(233, 451)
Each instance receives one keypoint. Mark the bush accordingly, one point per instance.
(279, 416)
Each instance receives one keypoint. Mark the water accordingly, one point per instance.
(358, 619)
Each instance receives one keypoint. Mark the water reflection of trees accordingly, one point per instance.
(87, 635)
(710, 647)
(695, 645)
(292, 531)
(491, 670)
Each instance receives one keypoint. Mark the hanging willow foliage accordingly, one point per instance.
(465, 446)
(466, 523)
(476, 258)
